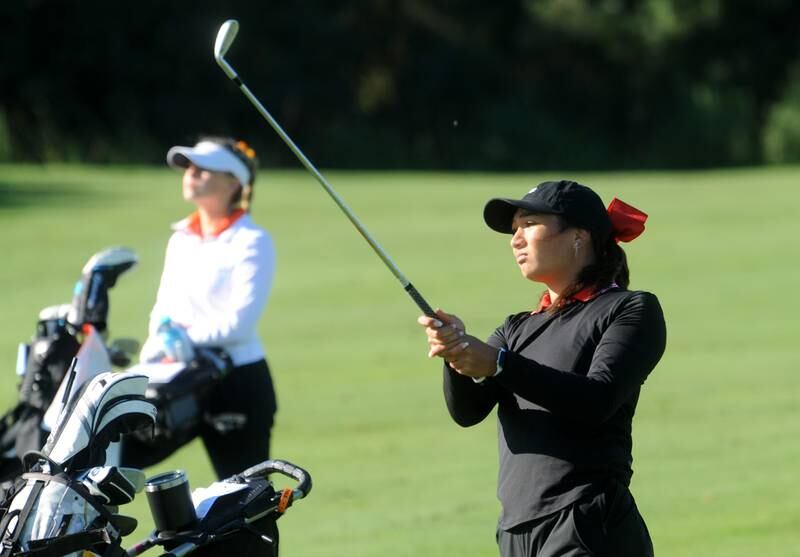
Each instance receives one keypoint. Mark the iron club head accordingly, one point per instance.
(225, 37)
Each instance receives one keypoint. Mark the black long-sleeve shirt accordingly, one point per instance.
(565, 398)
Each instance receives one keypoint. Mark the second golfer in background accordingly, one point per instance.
(217, 277)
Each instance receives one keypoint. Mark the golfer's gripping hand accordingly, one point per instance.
(447, 339)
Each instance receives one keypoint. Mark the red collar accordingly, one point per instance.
(193, 223)
(583, 295)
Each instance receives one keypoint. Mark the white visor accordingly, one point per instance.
(209, 156)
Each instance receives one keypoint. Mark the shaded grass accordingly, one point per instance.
(360, 405)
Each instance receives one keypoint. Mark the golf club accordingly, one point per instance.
(225, 37)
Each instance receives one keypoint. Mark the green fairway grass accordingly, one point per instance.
(717, 431)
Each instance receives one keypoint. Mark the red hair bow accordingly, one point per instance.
(627, 222)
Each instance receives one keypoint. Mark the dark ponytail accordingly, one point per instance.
(610, 267)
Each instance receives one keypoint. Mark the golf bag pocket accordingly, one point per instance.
(241, 515)
(179, 392)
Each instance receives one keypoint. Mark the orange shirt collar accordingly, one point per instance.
(193, 223)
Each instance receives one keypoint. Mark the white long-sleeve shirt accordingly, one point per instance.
(216, 286)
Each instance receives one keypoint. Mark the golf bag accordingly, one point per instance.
(48, 358)
(179, 392)
(236, 516)
(63, 503)
(42, 364)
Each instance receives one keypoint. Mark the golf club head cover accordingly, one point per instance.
(90, 297)
(114, 485)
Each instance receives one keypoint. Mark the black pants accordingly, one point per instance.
(248, 391)
(604, 525)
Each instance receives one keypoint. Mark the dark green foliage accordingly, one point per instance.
(509, 85)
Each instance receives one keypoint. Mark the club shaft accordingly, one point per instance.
(409, 288)
(324, 183)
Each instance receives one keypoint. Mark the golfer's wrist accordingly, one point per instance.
(500, 361)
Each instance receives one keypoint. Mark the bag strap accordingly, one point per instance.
(11, 543)
(32, 458)
(64, 545)
(77, 487)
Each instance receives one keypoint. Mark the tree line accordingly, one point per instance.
(435, 84)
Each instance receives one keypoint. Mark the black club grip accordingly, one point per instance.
(420, 301)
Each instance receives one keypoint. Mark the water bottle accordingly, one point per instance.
(175, 340)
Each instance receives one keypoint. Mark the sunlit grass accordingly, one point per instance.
(716, 432)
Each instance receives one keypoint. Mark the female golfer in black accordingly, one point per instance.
(565, 377)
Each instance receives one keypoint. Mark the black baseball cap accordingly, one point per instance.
(578, 205)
